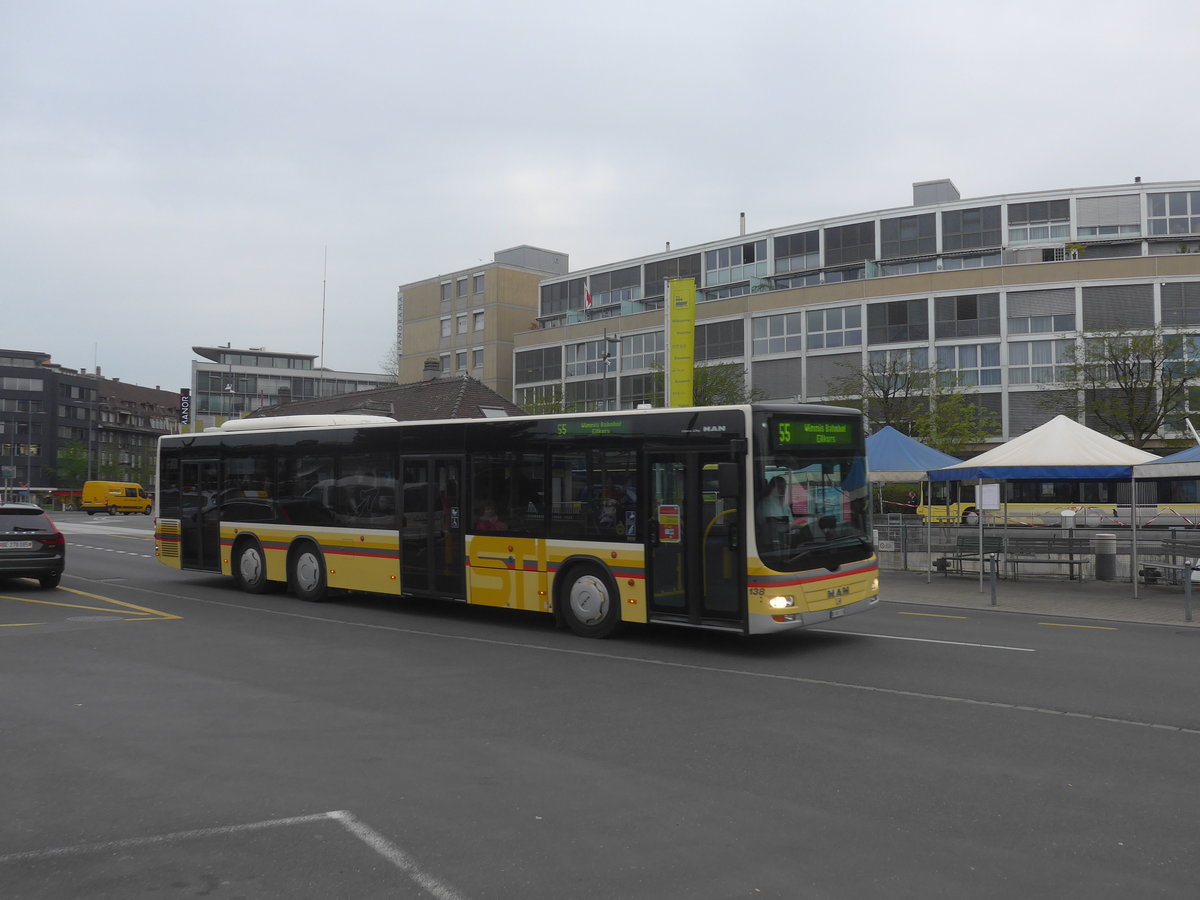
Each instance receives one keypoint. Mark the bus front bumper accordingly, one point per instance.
(767, 624)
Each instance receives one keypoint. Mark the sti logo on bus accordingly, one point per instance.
(837, 592)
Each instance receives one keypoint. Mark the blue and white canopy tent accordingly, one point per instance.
(895, 458)
(1060, 449)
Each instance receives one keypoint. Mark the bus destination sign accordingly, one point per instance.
(590, 428)
(796, 433)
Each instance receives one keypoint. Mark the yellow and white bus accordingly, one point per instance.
(596, 518)
(1089, 503)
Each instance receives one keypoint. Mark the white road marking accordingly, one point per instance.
(896, 637)
(346, 820)
(718, 670)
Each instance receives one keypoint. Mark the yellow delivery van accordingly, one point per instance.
(115, 497)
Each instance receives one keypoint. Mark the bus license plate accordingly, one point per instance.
(16, 545)
(834, 613)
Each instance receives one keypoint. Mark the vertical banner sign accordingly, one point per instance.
(681, 338)
(185, 406)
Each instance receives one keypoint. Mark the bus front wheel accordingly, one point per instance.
(970, 517)
(307, 575)
(250, 568)
(590, 603)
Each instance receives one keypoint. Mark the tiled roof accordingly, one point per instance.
(459, 397)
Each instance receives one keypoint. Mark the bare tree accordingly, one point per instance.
(1133, 383)
(899, 389)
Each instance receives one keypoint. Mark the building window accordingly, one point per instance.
(661, 271)
(777, 334)
(737, 263)
(902, 363)
(828, 328)
(478, 317)
(900, 320)
(1109, 216)
(910, 267)
(445, 326)
(1175, 213)
(969, 229)
(798, 252)
(971, 365)
(541, 364)
(610, 288)
(1181, 303)
(460, 361)
(1039, 220)
(477, 284)
(971, 261)
(562, 296)
(724, 293)
(908, 236)
(444, 359)
(462, 324)
(477, 358)
(462, 287)
(720, 340)
(585, 358)
(1041, 324)
(445, 291)
(967, 316)
(848, 244)
(642, 351)
(1037, 362)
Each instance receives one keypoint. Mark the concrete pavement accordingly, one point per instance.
(1113, 601)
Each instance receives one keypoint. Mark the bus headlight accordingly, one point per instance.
(780, 602)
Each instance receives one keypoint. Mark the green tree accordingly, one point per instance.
(899, 389)
(718, 384)
(1132, 384)
(70, 469)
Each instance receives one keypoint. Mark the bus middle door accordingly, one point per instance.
(695, 562)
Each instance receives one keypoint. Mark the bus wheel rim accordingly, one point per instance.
(250, 566)
(589, 600)
(308, 574)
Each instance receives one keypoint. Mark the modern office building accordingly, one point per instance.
(229, 383)
(993, 289)
(466, 319)
(45, 408)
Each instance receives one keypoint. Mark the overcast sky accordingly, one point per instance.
(175, 173)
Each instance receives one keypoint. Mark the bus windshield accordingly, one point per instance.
(812, 505)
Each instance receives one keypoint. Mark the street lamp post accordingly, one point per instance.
(609, 342)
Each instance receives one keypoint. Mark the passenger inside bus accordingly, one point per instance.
(775, 510)
(489, 520)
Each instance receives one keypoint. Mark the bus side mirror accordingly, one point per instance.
(727, 479)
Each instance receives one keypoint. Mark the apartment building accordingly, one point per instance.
(992, 289)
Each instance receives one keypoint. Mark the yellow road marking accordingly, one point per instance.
(21, 624)
(932, 615)
(140, 609)
(1065, 625)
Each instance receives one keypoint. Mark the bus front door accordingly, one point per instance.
(432, 557)
(694, 542)
(199, 521)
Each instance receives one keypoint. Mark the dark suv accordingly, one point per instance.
(30, 545)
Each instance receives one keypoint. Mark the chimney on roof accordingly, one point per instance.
(742, 217)
(432, 369)
(285, 394)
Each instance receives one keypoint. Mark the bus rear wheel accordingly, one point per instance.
(590, 603)
(250, 568)
(307, 575)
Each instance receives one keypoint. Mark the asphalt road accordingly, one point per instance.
(164, 735)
